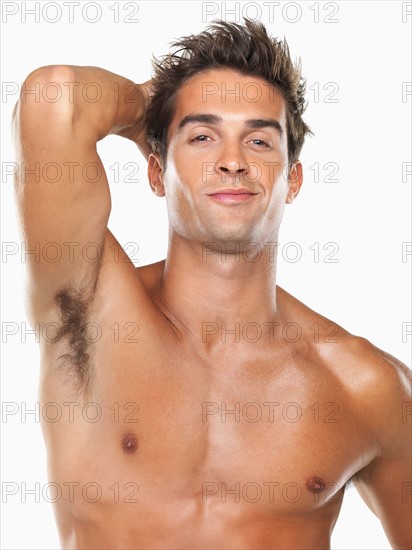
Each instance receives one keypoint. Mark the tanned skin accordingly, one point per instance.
(174, 467)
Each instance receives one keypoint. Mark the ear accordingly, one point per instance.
(155, 174)
(295, 180)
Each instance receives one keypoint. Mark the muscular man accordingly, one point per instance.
(221, 411)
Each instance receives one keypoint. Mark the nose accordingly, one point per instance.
(231, 162)
(232, 167)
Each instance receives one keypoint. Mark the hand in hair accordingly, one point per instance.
(137, 131)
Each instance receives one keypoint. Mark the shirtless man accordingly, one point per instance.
(212, 409)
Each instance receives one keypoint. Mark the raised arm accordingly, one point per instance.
(62, 191)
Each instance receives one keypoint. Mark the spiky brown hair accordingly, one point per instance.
(247, 49)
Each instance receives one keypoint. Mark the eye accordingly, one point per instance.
(260, 143)
(201, 138)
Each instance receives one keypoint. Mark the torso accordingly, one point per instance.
(247, 449)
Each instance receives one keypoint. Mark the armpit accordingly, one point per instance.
(74, 309)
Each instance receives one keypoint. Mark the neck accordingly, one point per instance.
(211, 289)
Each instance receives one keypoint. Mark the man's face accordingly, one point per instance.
(228, 134)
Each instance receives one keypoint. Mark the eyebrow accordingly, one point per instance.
(216, 120)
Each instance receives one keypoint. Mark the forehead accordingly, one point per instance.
(229, 94)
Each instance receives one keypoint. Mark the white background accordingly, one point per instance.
(367, 133)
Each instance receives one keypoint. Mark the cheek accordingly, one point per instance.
(276, 170)
(183, 177)
(273, 182)
(194, 165)
(177, 191)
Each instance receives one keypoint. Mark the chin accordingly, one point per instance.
(229, 238)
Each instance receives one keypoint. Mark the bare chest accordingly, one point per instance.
(169, 426)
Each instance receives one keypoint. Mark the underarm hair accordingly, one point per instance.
(74, 308)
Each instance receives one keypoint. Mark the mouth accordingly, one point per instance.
(232, 195)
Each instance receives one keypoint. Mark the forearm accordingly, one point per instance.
(95, 101)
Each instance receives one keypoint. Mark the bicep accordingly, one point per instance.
(386, 483)
(387, 491)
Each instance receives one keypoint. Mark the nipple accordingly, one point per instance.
(315, 484)
(129, 443)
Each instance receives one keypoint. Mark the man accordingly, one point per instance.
(214, 426)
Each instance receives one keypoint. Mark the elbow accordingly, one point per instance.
(47, 95)
(51, 73)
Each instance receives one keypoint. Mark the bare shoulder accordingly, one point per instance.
(374, 382)
(374, 392)
(380, 380)
(373, 374)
